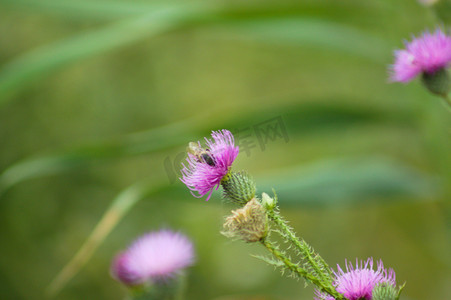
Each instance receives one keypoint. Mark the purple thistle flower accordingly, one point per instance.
(154, 256)
(359, 282)
(425, 54)
(207, 167)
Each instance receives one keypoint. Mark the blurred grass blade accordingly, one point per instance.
(324, 34)
(117, 210)
(350, 181)
(133, 144)
(104, 9)
(83, 9)
(38, 63)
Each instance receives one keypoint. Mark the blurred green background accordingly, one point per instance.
(99, 98)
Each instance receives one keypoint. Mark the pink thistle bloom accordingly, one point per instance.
(152, 257)
(359, 282)
(426, 54)
(207, 167)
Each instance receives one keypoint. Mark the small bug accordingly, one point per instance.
(202, 155)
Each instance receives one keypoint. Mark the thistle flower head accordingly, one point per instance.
(428, 54)
(358, 283)
(152, 257)
(249, 223)
(207, 167)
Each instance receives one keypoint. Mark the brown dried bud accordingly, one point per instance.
(249, 223)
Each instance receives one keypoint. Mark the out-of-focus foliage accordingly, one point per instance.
(98, 100)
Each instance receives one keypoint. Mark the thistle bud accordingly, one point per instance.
(238, 188)
(268, 202)
(385, 291)
(249, 223)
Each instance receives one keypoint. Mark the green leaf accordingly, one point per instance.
(349, 181)
(83, 9)
(314, 32)
(299, 31)
(44, 60)
(149, 141)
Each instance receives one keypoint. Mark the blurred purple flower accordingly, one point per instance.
(426, 54)
(201, 175)
(154, 256)
(359, 282)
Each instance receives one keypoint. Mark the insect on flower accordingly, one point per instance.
(202, 155)
(206, 167)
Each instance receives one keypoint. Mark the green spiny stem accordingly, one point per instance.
(300, 271)
(292, 266)
(304, 248)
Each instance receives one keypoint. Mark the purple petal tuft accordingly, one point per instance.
(154, 256)
(427, 53)
(358, 282)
